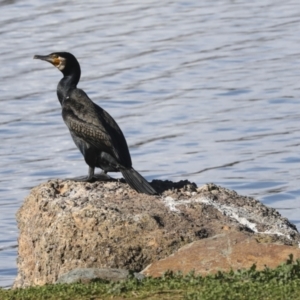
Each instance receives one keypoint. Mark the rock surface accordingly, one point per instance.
(86, 275)
(66, 225)
(224, 252)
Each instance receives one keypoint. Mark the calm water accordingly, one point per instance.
(205, 91)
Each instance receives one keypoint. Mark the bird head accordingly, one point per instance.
(63, 61)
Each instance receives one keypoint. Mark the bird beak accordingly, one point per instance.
(44, 57)
(58, 62)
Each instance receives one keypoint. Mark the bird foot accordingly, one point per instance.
(103, 177)
(82, 179)
(97, 177)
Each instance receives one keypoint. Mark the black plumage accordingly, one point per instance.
(94, 131)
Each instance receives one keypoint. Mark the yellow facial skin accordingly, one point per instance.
(56, 61)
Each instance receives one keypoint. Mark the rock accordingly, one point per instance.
(65, 225)
(86, 275)
(223, 252)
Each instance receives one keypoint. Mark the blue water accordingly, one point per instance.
(205, 91)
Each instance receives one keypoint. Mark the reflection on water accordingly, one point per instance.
(202, 92)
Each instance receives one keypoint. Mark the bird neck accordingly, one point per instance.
(66, 84)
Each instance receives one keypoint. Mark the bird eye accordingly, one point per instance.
(54, 55)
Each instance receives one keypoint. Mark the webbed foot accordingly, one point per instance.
(93, 177)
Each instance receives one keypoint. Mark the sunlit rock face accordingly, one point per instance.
(231, 250)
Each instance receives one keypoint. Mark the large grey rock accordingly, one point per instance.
(66, 225)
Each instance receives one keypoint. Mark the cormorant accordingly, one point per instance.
(94, 131)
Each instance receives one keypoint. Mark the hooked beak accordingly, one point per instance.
(55, 60)
(44, 57)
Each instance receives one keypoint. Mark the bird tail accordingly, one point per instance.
(138, 182)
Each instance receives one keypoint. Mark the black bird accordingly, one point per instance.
(94, 131)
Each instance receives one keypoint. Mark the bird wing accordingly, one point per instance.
(94, 125)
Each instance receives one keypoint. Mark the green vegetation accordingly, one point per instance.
(280, 283)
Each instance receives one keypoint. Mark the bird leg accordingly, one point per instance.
(89, 178)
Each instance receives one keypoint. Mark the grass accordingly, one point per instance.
(280, 283)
